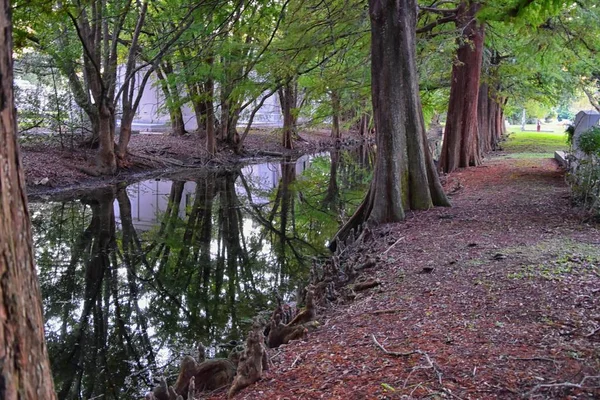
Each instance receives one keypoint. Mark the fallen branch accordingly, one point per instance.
(421, 352)
(371, 283)
(393, 353)
(593, 333)
(162, 160)
(295, 361)
(565, 385)
(534, 359)
(270, 153)
(388, 311)
(392, 246)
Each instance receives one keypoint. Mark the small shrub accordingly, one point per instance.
(570, 132)
(589, 142)
(584, 179)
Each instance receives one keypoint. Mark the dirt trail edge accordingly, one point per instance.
(496, 297)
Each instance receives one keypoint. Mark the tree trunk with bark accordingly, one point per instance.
(131, 97)
(363, 124)
(211, 139)
(106, 162)
(24, 366)
(335, 116)
(173, 100)
(485, 109)
(461, 147)
(490, 117)
(230, 115)
(333, 190)
(405, 177)
(288, 99)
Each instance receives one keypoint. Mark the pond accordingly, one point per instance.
(136, 275)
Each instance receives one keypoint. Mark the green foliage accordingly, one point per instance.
(570, 132)
(563, 112)
(584, 177)
(589, 142)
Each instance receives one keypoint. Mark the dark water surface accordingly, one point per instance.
(134, 276)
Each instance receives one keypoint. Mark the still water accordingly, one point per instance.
(136, 275)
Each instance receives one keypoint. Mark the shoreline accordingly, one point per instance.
(53, 171)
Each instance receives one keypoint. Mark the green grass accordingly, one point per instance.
(535, 144)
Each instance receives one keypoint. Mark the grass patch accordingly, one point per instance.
(527, 156)
(529, 144)
(555, 259)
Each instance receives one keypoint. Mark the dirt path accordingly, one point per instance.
(511, 309)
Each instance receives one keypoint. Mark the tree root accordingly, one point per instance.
(252, 363)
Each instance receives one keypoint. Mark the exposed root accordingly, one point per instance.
(252, 363)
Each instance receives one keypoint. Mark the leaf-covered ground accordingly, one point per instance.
(510, 310)
(49, 166)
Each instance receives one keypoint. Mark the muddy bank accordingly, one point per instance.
(52, 169)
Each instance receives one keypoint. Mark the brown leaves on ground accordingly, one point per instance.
(48, 165)
(509, 310)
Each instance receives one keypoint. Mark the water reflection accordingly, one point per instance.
(134, 276)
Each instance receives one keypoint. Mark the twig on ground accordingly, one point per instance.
(448, 391)
(387, 311)
(392, 246)
(565, 385)
(295, 361)
(415, 388)
(534, 359)
(394, 353)
(421, 352)
(589, 335)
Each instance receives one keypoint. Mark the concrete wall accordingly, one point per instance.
(152, 116)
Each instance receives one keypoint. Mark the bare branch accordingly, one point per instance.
(437, 22)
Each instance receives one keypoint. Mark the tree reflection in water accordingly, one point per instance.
(135, 276)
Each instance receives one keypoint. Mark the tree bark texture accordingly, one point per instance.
(106, 162)
(363, 124)
(461, 147)
(288, 99)
(490, 117)
(336, 108)
(172, 98)
(24, 366)
(211, 140)
(405, 176)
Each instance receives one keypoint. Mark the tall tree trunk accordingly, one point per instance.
(485, 110)
(172, 98)
(24, 366)
(363, 128)
(106, 162)
(461, 147)
(125, 133)
(333, 191)
(211, 140)
(287, 100)
(230, 115)
(131, 97)
(405, 175)
(490, 118)
(335, 115)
